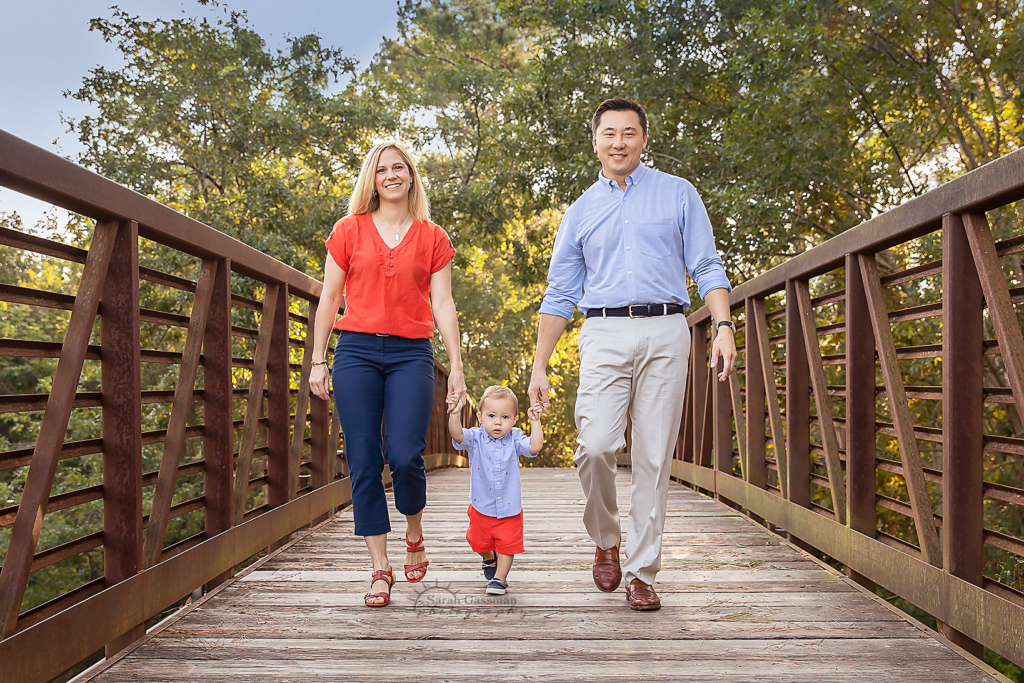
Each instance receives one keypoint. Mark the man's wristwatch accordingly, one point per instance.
(726, 323)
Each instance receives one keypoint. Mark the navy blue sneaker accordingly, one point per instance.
(497, 587)
(490, 568)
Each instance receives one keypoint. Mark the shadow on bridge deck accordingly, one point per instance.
(740, 604)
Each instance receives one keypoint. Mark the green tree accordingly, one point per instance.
(207, 119)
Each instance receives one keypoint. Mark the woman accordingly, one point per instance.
(394, 267)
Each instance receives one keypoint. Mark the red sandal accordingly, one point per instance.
(422, 566)
(381, 574)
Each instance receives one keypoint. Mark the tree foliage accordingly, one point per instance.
(795, 121)
(206, 119)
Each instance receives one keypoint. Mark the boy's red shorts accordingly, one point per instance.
(490, 533)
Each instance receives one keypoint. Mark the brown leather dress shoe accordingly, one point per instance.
(607, 572)
(641, 596)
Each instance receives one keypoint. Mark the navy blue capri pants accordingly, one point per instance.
(378, 377)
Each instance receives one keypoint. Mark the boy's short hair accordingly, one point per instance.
(499, 391)
(619, 104)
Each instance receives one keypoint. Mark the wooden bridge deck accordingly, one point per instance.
(739, 605)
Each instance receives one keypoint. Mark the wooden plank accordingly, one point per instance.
(121, 385)
(569, 658)
(785, 619)
(168, 477)
(981, 614)
(898, 406)
(253, 405)
(963, 351)
(70, 636)
(836, 482)
(25, 534)
(1000, 308)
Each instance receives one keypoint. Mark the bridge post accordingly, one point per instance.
(860, 412)
(122, 419)
(703, 384)
(962, 405)
(279, 462)
(218, 403)
(798, 404)
(722, 426)
(798, 408)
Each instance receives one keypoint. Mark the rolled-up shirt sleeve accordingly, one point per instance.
(469, 435)
(566, 272)
(523, 446)
(699, 252)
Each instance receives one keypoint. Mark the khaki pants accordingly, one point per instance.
(639, 365)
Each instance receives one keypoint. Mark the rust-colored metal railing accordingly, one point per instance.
(239, 467)
(876, 415)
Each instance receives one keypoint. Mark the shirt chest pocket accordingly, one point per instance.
(656, 236)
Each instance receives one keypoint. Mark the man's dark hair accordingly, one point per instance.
(619, 104)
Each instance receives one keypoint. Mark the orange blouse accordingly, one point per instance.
(387, 290)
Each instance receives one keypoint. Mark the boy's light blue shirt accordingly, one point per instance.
(494, 488)
(615, 248)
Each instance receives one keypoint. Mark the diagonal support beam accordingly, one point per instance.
(741, 425)
(1000, 307)
(920, 501)
(29, 522)
(772, 394)
(706, 454)
(756, 414)
(252, 409)
(302, 405)
(333, 441)
(156, 531)
(836, 482)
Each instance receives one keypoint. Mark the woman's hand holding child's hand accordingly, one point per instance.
(534, 413)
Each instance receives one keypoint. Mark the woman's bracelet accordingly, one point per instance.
(319, 362)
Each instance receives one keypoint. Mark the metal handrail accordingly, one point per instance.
(823, 493)
(143, 574)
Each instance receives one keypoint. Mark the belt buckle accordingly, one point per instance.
(629, 311)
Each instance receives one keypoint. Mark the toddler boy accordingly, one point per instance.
(496, 508)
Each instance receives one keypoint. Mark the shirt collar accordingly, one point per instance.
(492, 439)
(633, 178)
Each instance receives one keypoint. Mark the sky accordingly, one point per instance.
(46, 48)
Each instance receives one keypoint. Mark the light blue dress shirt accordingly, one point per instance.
(615, 248)
(494, 488)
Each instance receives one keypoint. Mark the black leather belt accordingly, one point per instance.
(635, 311)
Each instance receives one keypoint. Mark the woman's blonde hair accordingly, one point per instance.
(364, 197)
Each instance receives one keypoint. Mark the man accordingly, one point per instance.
(621, 255)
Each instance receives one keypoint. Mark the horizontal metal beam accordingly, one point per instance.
(995, 184)
(41, 174)
(975, 612)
